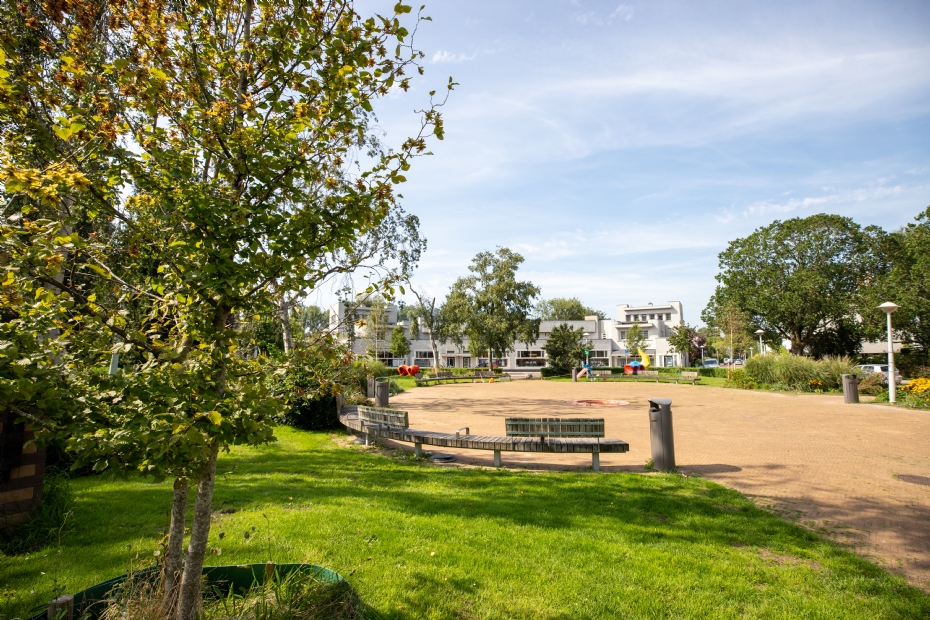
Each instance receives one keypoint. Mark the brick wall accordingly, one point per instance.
(22, 468)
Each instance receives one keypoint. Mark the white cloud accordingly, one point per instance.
(443, 56)
(624, 12)
(762, 208)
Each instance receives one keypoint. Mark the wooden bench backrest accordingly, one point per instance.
(649, 373)
(484, 375)
(383, 417)
(690, 374)
(555, 427)
(443, 374)
(601, 373)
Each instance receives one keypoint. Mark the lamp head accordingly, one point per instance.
(759, 332)
(888, 307)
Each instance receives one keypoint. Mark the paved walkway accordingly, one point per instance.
(857, 473)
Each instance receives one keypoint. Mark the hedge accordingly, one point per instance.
(318, 414)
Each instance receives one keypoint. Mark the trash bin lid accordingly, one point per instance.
(660, 401)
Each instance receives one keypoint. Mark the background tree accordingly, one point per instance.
(684, 339)
(426, 317)
(731, 330)
(635, 340)
(165, 176)
(906, 283)
(375, 326)
(400, 346)
(491, 307)
(564, 347)
(799, 277)
(565, 309)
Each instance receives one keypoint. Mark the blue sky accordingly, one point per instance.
(620, 146)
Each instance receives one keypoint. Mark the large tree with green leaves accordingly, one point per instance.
(170, 168)
(565, 309)
(491, 307)
(906, 283)
(798, 278)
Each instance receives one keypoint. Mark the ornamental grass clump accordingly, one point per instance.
(294, 596)
(795, 372)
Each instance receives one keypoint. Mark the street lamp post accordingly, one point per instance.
(702, 355)
(759, 333)
(888, 308)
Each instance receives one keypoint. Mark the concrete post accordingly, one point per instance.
(497, 458)
(574, 374)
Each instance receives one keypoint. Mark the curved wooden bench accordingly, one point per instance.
(559, 436)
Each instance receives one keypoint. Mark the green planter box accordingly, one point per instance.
(240, 577)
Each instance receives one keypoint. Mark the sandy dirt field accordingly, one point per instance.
(859, 474)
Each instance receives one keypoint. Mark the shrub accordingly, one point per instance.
(872, 385)
(740, 379)
(316, 414)
(917, 393)
(793, 371)
(47, 523)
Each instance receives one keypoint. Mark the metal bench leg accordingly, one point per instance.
(418, 449)
(596, 461)
(497, 458)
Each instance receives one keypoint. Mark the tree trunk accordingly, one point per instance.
(173, 560)
(286, 333)
(189, 594)
(435, 348)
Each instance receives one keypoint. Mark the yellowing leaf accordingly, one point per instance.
(216, 417)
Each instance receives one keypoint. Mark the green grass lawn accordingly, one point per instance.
(420, 541)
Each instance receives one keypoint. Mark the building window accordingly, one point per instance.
(450, 362)
(532, 354)
(669, 361)
(424, 355)
(628, 318)
(466, 362)
(652, 316)
(668, 317)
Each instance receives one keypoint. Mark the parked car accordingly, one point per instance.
(737, 362)
(711, 363)
(868, 369)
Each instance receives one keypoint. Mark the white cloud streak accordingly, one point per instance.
(443, 56)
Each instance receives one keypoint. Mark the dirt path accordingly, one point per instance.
(856, 473)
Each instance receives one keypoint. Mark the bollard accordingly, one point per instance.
(574, 374)
(661, 434)
(382, 391)
(850, 389)
(371, 387)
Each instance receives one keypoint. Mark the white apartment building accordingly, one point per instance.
(606, 340)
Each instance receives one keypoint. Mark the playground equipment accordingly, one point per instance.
(644, 358)
(585, 371)
(413, 371)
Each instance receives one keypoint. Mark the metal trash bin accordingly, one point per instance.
(382, 392)
(850, 389)
(661, 434)
(574, 374)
